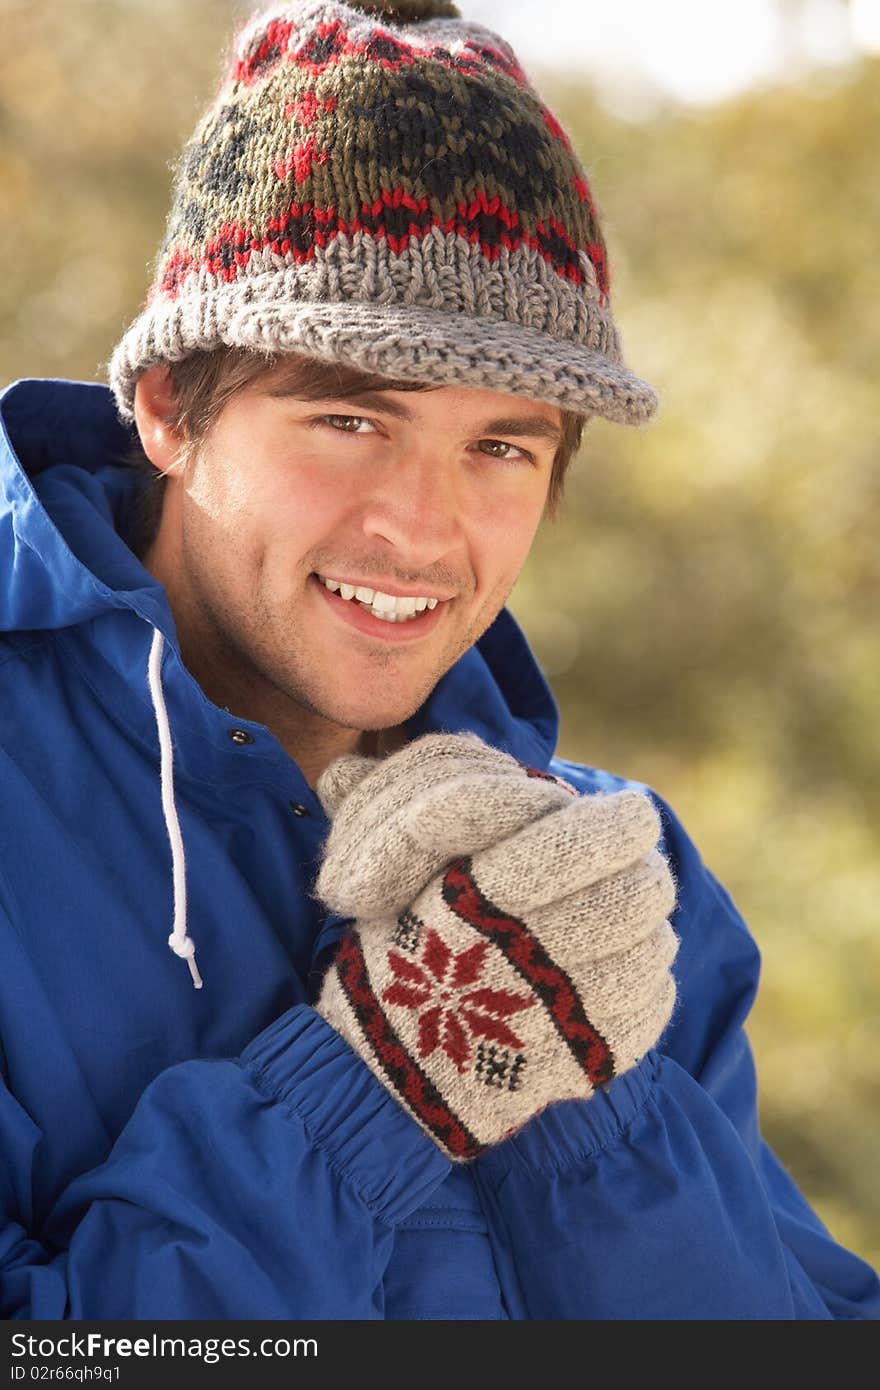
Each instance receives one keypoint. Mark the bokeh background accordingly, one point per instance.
(706, 606)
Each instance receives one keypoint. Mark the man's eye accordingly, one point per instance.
(514, 457)
(347, 421)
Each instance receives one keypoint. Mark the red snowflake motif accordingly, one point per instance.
(439, 986)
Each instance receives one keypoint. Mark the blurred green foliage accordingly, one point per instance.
(705, 606)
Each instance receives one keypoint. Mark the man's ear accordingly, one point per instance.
(154, 412)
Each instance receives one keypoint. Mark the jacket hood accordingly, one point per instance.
(67, 501)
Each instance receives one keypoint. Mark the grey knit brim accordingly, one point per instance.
(412, 343)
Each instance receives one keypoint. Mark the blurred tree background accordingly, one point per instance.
(705, 606)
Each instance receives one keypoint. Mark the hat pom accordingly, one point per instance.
(409, 11)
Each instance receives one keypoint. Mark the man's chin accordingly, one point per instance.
(371, 711)
(371, 724)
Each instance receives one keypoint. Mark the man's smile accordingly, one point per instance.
(361, 615)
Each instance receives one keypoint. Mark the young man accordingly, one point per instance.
(449, 1028)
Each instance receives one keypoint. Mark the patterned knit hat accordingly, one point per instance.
(380, 185)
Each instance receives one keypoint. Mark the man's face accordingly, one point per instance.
(434, 494)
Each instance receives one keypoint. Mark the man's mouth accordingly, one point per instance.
(378, 620)
(388, 608)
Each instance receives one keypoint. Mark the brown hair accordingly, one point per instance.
(204, 382)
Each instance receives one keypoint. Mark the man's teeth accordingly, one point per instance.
(386, 606)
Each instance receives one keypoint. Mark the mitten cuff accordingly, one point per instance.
(570, 1131)
(304, 1063)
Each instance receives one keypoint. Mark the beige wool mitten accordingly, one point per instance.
(528, 972)
(396, 821)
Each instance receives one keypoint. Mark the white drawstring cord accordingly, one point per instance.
(180, 943)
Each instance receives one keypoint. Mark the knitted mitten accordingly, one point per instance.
(529, 972)
(396, 821)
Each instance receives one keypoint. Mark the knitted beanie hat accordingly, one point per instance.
(380, 185)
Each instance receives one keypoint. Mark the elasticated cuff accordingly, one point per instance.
(571, 1130)
(367, 1135)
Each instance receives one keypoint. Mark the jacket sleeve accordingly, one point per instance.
(657, 1198)
(265, 1186)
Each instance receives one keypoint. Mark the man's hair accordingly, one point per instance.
(204, 382)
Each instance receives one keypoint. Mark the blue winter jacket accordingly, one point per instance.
(170, 1152)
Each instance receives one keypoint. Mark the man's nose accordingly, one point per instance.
(414, 503)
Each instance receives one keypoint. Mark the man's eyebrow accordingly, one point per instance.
(521, 426)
